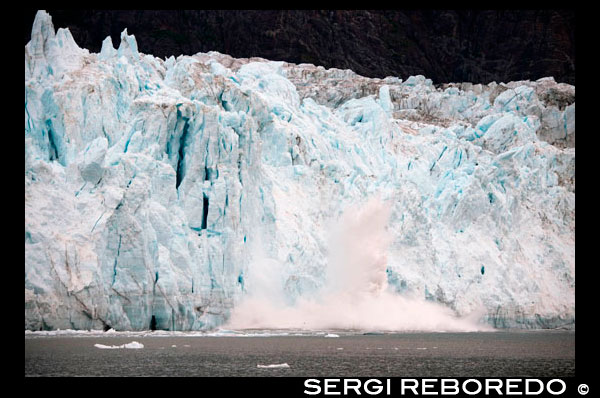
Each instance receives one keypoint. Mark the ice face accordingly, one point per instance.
(169, 189)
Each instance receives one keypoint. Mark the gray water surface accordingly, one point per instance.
(486, 354)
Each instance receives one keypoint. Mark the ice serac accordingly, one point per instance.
(157, 192)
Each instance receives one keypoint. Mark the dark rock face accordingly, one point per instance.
(446, 46)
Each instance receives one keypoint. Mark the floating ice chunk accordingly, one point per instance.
(273, 366)
(107, 347)
(132, 345)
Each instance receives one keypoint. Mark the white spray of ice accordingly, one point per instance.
(355, 295)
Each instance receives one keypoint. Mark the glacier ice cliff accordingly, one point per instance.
(157, 189)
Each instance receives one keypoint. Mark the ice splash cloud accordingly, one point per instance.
(355, 294)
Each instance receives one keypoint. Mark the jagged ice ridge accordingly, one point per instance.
(153, 186)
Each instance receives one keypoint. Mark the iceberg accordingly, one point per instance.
(166, 192)
(133, 345)
(273, 366)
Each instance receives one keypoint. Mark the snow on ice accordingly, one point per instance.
(185, 188)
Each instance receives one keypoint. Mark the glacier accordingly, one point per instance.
(165, 192)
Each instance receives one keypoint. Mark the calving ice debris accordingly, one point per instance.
(173, 192)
